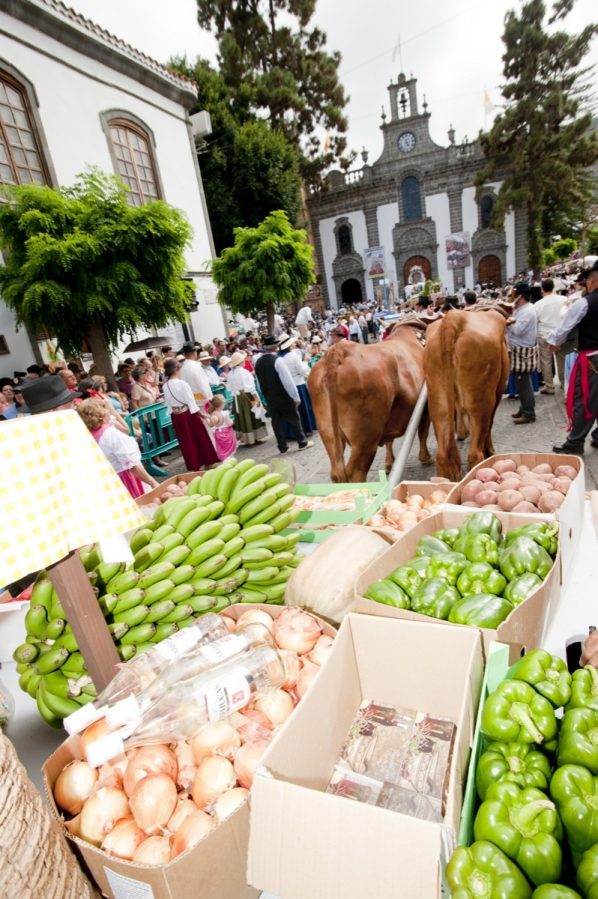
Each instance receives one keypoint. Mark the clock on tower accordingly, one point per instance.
(406, 141)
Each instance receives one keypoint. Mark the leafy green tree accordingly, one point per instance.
(543, 142)
(563, 248)
(592, 240)
(269, 48)
(269, 264)
(84, 266)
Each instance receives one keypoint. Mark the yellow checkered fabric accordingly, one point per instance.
(58, 492)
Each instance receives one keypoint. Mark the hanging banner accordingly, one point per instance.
(373, 258)
(458, 250)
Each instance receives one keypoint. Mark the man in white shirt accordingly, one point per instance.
(211, 374)
(302, 320)
(548, 312)
(192, 372)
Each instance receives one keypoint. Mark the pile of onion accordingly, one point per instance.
(157, 802)
(397, 516)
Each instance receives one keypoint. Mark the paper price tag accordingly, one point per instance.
(127, 888)
(226, 695)
(225, 648)
(176, 646)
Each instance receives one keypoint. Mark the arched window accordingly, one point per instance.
(486, 207)
(412, 203)
(345, 245)
(134, 160)
(21, 160)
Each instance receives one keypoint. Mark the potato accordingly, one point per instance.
(502, 466)
(550, 501)
(470, 490)
(486, 474)
(565, 471)
(562, 485)
(522, 468)
(531, 493)
(507, 499)
(525, 507)
(548, 478)
(543, 468)
(487, 497)
(510, 475)
(509, 484)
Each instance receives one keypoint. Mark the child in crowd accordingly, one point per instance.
(222, 428)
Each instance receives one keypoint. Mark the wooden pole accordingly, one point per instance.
(85, 616)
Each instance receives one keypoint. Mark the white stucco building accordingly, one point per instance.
(73, 96)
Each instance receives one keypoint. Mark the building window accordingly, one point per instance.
(21, 161)
(412, 203)
(134, 161)
(3, 346)
(486, 208)
(345, 246)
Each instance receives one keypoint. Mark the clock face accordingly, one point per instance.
(406, 141)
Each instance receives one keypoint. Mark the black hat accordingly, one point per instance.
(6, 382)
(582, 276)
(47, 393)
(594, 268)
(270, 341)
(522, 289)
(170, 366)
(423, 301)
(34, 370)
(188, 348)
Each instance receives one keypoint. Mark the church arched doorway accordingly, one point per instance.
(422, 270)
(490, 271)
(351, 292)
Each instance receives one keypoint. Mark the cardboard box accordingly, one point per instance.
(214, 869)
(570, 514)
(305, 842)
(316, 526)
(150, 498)
(524, 626)
(406, 489)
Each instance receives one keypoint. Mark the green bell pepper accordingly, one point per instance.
(546, 673)
(520, 587)
(515, 713)
(481, 610)
(477, 548)
(575, 791)
(389, 593)
(524, 823)
(554, 891)
(483, 523)
(543, 533)
(435, 598)
(587, 873)
(523, 555)
(584, 689)
(407, 578)
(447, 566)
(449, 535)
(578, 739)
(517, 763)
(481, 577)
(482, 871)
(421, 564)
(430, 545)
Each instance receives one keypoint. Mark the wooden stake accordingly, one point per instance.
(85, 616)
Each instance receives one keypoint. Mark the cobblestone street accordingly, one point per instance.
(312, 465)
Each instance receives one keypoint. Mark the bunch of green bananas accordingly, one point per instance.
(219, 545)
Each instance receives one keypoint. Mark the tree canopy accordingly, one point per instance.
(269, 264)
(84, 266)
(269, 49)
(542, 143)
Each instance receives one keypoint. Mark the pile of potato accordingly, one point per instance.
(509, 487)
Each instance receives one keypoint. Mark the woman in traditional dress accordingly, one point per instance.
(299, 371)
(250, 417)
(188, 420)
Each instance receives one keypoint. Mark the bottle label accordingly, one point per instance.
(225, 648)
(226, 695)
(179, 644)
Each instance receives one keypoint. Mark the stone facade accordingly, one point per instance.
(408, 202)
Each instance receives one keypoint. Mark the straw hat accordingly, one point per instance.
(316, 339)
(287, 343)
(224, 360)
(204, 355)
(237, 358)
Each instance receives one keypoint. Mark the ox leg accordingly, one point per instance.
(423, 430)
(481, 425)
(390, 457)
(448, 459)
(360, 462)
(462, 428)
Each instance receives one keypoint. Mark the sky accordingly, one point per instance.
(454, 50)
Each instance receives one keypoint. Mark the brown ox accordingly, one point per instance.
(363, 395)
(466, 364)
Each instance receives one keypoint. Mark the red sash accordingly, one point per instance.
(580, 363)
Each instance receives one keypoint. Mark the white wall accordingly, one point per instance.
(470, 225)
(388, 217)
(437, 207)
(510, 233)
(20, 354)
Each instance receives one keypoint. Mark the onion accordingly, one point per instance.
(124, 839)
(229, 622)
(186, 765)
(193, 829)
(292, 667)
(100, 813)
(438, 497)
(253, 726)
(153, 801)
(296, 630)
(112, 773)
(74, 826)
(277, 705)
(149, 760)
(229, 802)
(219, 738)
(321, 650)
(183, 809)
(74, 785)
(99, 728)
(308, 672)
(247, 759)
(214, 777)
(153, 851)
(255, 616)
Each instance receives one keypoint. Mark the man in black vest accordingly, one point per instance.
(582, 395)
(281, 395)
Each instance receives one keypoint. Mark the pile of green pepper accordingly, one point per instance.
(471, 575)
(536, 826)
